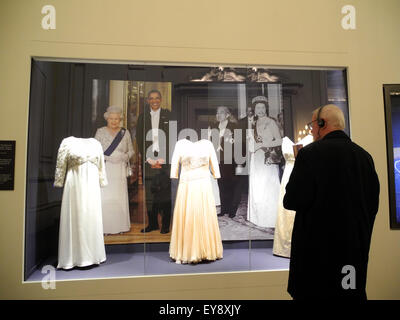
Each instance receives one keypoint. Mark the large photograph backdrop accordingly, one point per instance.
(131, 98)
(252, 114)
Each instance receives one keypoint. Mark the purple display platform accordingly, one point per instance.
(144, 260)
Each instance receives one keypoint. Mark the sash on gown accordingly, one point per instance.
(114, 144)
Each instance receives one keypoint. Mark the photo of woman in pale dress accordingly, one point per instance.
(264, 184)
(118, 149)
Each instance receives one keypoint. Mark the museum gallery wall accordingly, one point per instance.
(239, 122)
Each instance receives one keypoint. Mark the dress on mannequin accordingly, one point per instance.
(195, 230)
(80, 169)
(285, 217)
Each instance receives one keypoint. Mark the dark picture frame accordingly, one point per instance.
(391, 94)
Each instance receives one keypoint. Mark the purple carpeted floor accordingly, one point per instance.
(138, 260)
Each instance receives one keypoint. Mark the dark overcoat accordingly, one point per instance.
(334, 190)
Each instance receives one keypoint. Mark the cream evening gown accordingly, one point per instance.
(195, 231)
(80, 169)
(285, 217)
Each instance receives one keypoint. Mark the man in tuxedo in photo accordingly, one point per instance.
(227, 184)
(152, 140)
(244, 125)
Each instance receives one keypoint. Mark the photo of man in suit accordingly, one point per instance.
(225, 126)
(152, 140)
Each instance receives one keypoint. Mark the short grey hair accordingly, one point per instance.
(113, 109)
(332, 114)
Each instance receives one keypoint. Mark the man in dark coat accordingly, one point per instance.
(334, 190)
(154, 153)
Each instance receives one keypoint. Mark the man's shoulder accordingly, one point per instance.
(312, 149)
(324, 144)
(334, 145)
(213, 125)
(243, 120)
(359, 149)
(165, 114)
(232, 125)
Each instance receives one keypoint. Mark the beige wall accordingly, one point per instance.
(264, 32)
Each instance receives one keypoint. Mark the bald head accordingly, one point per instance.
(333, 117)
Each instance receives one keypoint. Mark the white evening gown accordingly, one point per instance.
(264, 182)
(195, 231)
(114, 197)
(80, 169)
(285, 218)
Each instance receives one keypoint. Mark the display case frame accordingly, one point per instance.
(308, 80)
(391, 93)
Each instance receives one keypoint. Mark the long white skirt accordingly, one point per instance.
(81, 241)
(264, 189)
(114, 200)
(285, 218)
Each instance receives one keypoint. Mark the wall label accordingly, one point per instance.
(7, 164)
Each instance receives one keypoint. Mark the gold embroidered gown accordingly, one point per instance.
(195, 231)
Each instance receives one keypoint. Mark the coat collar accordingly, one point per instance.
(149, 110)
(337, 134)
(163, 114)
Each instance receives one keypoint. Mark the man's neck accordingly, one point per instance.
(152, 110)
(327, 131)
(223, 123)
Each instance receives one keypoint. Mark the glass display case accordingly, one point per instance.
(242, 115)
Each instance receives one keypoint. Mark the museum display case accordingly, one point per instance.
(143, 214)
